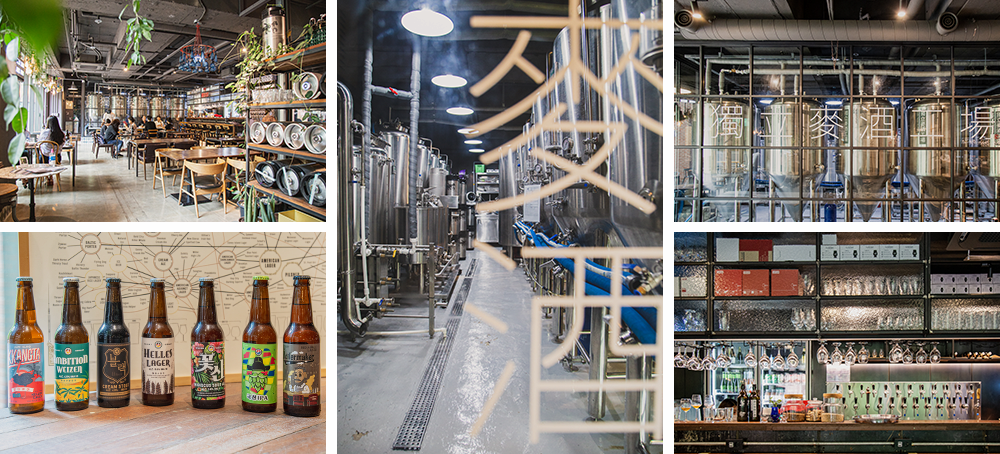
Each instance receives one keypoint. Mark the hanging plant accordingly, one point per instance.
(137, 29)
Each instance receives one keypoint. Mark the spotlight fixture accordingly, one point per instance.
(425, 22)
(468, 131)
(476, 150)
(473, 142)
(459, 111)
(834, 102)
(449, 81)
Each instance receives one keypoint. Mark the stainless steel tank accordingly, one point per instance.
(930, 128)
(158, 107)
(273, 29)
(785, 124)
(423, 166)
(508, 188)
(95, 109)
(117, 105)
(138, 106)
(975, 126)
(432, 225)
(176, 107)
(438, 181)
(379, 200)
(399, 153)
(869, 123)
(726, 171)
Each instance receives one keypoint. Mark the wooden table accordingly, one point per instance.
(178, 428)
(198, 153)
(143, 142)
(225, 140)
(69, 146)
(15, 173)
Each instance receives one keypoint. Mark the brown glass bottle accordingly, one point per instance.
(24, 355)
(301, 389)
(259, 369)
(208, 367)
(157, 350)
(72, 353)
(113, 351)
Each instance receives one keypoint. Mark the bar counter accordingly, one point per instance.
(901, 426)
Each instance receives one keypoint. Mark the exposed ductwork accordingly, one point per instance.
(769, 30)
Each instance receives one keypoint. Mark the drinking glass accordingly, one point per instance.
(696, 405)
(694, 362)
(681, 359)
(863, 354)
(850, 357)
(685, 406)
(908, 355)
(723, 361)
(811, 319)
(935, 355)
(836, 357)
(806, 286)
(778, 363)
(822, 355)
(709, 406)
(921, 356)
(750, 360)
(896, 353)
(765, 359)
(792, 362)
(708, 363)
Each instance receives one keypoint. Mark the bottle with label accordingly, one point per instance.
(157, 350)
(301, 355)
(260, 347)
(208, 371)
(743, 404)
(25, 363)
(72, 352)
(113, 351)
(754, 404)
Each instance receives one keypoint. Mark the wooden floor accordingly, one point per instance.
(178, 428)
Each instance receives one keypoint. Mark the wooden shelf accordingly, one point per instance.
(304, 154)
(304, 58)
(294, 201)
(305, 104)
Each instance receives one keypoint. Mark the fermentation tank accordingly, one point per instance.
(437, 181)
(95, 108)
(139, 106)
(869, 123)
(117, 105)
(379, 201)
(726, 171)
(399, 153)
(432, 226)
(509, 177)
(930, 128)
(158, 107)
(785, 124)
(176, 106)
(984, 165)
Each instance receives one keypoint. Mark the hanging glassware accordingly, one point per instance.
(896, 353)
(863, 354)
(750, 360)
(935, 355)
(850, 357)
(836, 357)
(792, 361)
(908, 355)
(681, 359)
(822, 355)
(921, 356)
(723, 361)
(765, 359)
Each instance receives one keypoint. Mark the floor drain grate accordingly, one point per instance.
(463, 294)
(472, 268)
(411, 433)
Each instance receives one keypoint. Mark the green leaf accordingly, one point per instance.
(20, 121)
(15, 149)
(8, 114)
(41, 21)
(146, 34)
(8, 90)
(13, 49)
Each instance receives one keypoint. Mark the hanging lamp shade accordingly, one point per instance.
(198, 57)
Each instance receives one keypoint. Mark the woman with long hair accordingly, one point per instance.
(111, 137)
(54, 133)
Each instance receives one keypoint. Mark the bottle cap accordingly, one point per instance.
(156, 279)
(257, 278)
(23, 279)
(114, 280)
(207, 279)
(70, 279)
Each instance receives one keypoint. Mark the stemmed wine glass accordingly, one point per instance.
(765, 359)
(836, 357)
(935, 355)
(851, 357)
(750, 360)
(863, 354)
(778, 363)
(685, 406)
(822, 355)
(723, 361)
(896, 353)
(792, 362)
(681, 359)
(696, 405)
(709, 406)
(708, 363)
(921, 355)
(908, 355)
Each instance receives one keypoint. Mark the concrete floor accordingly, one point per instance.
(107, 191)
(377, 378)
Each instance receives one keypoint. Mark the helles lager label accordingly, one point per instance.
(72, 373)
(259, 372)
(25, 369)
(301, 385)
(158, 365)
(208, 370)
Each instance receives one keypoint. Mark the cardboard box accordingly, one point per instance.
(829, 252)
(850, 252)
(909, 252)
(784, 282)
(693, 286)
(870, 251)
(727, 250)
(728, 282)
(756, 250)
(295, 216)
(794, 253)
(756, 283)
(677, 286)
(888, 252)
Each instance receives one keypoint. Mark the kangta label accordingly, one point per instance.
(25, 369)
(301, 386)
(72, 373)
(208, 370)
(114, 375)
(158, 365)
(259, 372)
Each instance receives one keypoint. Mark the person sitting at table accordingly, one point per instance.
(159, 123)
(150, 126)
(111, 138)
(108, 116)
(54, 133)
(104, 127)
(168, 124)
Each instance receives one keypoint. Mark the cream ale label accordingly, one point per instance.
(72, 373)
(259, 372)
(208, 370)
(114, 371)
(301, 386)
(25, 369)
(158, 365)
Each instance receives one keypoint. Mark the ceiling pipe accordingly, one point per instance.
(770, 30)
(913, 8)
(941, 7)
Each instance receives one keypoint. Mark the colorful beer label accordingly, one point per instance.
(208, 371)
(158, 365)
(301, 371)
(25, 369)
(72, 373)
(259, 372)
(114, 371)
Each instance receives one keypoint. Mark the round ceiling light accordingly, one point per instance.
(449, 81)
(476, 150)
(425, 22)
(473, 142)
(459, 111)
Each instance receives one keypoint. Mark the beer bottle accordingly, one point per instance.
(754, 404)
(260, 348)
(113, 351)
(24, 355)
(743, 404)
(301, 355)
(72, 353)
(208, 371)
(157, 350)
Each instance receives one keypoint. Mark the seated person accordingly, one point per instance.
(150, 127)
(111, 138)
(159, 123)
(54, 133)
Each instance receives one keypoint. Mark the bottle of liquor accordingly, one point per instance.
(301, 355)
(260, 347)
(72, 352)
(25, 365)
(208, 371)
(113, 351)
(754, 404)
(743, 404)
(157, 350)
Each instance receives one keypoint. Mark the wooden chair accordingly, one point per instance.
(57, 147)
(159, 171)
(96, 149)
(148, 156)
(8, 202)
(205, 179)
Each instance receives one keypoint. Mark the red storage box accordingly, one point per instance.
(784, 282)
(756, 282)
(728, 282)
(756, 250)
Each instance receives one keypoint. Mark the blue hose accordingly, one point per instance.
(638, 322)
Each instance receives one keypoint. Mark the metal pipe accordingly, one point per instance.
(390, 92)
(349, 312)
(941, 7)
(599, 361)
(414, 138)
(394, 333)
(819, 443)
(770, 30)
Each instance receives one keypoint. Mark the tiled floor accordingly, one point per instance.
(107, 191)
